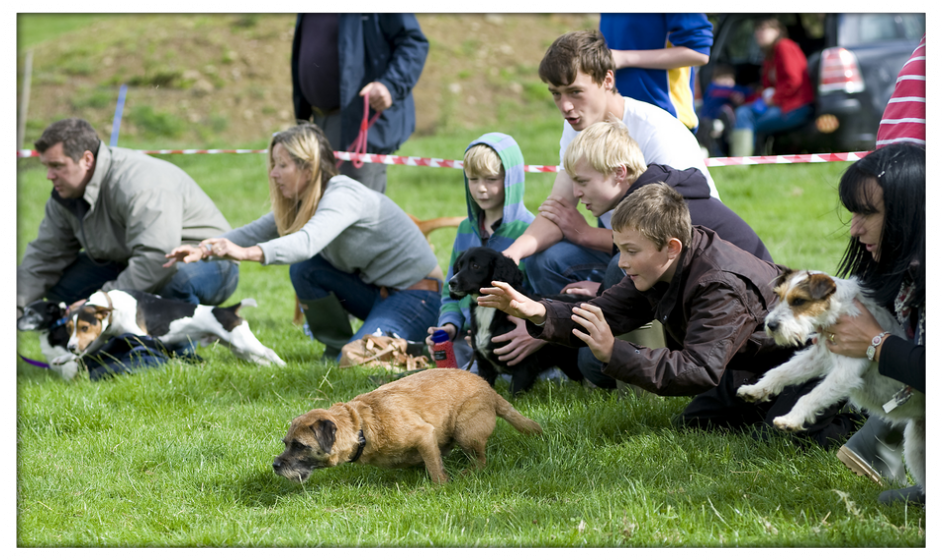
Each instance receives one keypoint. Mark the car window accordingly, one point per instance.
(856, 29)
(914, 26)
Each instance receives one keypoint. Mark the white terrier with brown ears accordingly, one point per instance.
(811, 300)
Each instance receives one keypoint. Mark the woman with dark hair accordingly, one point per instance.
(352, 250)
(886, 195)
(788, 96)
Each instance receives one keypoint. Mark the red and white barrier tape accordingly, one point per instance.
(457, 164)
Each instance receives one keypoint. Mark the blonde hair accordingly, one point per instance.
(309, 149)
(657, 211)
(482, 161)
(605, 146)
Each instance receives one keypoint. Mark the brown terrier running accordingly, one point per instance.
(414, 420)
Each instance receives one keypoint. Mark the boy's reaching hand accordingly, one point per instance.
(511, 302)
(600, 339)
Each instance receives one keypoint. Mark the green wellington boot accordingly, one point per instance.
(911, 494)
(741, 142)
(329, 323)
(875, 451)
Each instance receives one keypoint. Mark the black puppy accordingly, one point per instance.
(50, 320)
(475, 269)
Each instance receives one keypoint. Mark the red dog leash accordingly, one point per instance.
(358, 147)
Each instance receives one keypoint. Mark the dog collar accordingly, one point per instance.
(362, 444)
(60, 322)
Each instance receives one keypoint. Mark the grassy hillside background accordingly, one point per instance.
(225, 80)
(181, 455)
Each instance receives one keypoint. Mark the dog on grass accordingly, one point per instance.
(809, 301)
(170, 321)
(476, 268)
(408, 422)
(51, 320)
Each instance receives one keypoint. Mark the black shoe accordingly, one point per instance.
(913, 495)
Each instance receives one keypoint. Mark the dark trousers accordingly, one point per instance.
(372, 175)
(207, 282)
(721, 408)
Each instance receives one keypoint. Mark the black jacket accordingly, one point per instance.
(389, 48)
(705, 210)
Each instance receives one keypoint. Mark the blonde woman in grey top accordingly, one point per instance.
(351, 250)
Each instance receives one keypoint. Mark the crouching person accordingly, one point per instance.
(712, 298)
(494, 188)
(112, 215)
(352, 250)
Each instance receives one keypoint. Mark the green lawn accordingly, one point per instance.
(181, 455)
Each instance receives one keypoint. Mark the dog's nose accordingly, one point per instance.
(277, 464)
(771, 325)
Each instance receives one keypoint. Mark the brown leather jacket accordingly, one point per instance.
(712, 311)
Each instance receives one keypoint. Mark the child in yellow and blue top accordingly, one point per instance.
(494, 189)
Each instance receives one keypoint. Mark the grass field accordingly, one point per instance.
(181, 455)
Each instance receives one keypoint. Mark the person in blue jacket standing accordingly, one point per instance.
(655, 55)
(337, 60)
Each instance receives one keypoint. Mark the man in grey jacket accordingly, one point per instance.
(112, 216)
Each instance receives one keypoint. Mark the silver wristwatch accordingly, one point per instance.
(872, 350)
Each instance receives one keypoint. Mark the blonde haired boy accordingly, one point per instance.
(606, 166)
(712, 298)
(494, 190)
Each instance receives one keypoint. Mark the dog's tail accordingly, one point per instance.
(522, 424)
(247, 302)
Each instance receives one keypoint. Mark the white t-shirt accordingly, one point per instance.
(662, 138)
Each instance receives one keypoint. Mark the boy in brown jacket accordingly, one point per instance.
(712, 299)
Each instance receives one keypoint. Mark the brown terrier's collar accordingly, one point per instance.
(362, 444)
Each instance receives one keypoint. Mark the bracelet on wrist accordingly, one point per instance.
(875, 343)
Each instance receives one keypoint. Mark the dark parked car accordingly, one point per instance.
(853, 60)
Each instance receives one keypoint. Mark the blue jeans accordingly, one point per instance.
(564, 263)
(206, 282)
(407, 313)
(772, 120)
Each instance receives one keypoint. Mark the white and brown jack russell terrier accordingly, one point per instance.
(170, 321)
(809, 301)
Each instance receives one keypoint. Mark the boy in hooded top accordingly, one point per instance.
(606, 165)
(494, 189)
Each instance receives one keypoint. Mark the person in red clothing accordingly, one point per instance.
(787, 97)
(904, 119)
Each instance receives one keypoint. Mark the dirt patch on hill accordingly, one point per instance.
(225, 81)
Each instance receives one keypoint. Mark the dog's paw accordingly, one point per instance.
(275, 358)
(62, 360)
(753, 393)
(789, 423)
